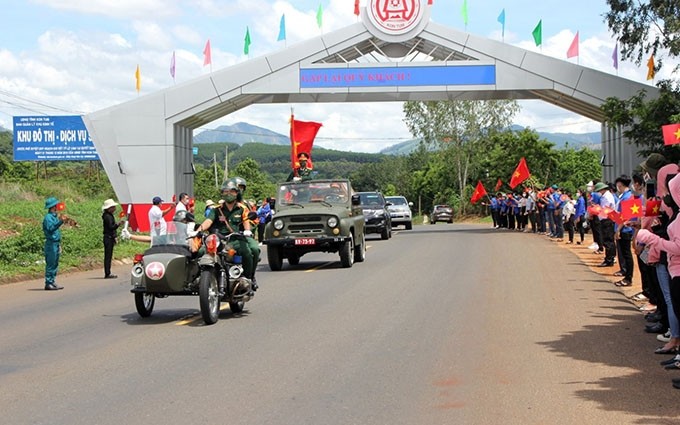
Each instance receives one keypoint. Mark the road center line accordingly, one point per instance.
(319, 267)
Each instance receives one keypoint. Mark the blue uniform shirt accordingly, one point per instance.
(51, 225)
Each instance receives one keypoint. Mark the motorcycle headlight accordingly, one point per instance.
(278, 224)
(332, 222)
(235, 272)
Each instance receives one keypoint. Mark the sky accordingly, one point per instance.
(74, 57)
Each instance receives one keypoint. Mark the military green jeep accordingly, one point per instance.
(316, 215)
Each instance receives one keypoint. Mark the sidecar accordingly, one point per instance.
(168, 267)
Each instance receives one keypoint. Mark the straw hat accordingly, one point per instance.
(209, 203)
(108, 204)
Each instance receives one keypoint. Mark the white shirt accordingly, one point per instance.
(608, 201)
(158, 226)
(180, 207)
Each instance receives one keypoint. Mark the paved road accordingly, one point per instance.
(445, 324)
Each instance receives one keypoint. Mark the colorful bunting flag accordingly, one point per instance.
(172, 65)
(652, 208)
(651, 72)
(246, 42)
(319, 16)
(464, 12)
(538, 33)
(631, 208)
(615, 56)
(138, 79)
(356, 7)
(207, 57)
(521, 173)
(501, 20)
(573, 49)
(282, 28)
(479, 192)
(671, 134)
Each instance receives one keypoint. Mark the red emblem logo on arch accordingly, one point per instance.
(394, 16)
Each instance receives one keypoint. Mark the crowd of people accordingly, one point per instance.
(653, 235)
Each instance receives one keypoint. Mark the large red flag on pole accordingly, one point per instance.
(479, 192)
(521, 173)
(302, 134)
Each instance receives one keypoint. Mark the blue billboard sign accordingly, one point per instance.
(55, 138)
(451, 75)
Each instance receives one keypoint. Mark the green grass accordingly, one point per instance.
(22, 239)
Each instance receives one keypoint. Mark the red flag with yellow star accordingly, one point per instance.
(671, 134)
(631, 208)
(479, 192)
(521, 173)
(652, 208)
(302, 134)
(499, 184)
(615, 216)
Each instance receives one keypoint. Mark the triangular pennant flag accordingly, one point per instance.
(573, 49)
(319, 16)
(615, 56)
(282, 29)
(246, 42)
(172, 65)
(138, 79)
(499, 184)
(538, 33)
(356, 7)
(651, 72)
(501, 20)
(207, 56)
(464, 12)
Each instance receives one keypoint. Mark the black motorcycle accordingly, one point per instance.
(206, 266)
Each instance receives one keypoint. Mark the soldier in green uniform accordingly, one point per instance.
(252, 243)
(231, 217)
(302, 173)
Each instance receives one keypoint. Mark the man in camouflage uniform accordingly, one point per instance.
(252, 243)
(232, 217)
(302, 173)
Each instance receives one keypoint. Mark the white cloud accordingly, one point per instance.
(123, 9)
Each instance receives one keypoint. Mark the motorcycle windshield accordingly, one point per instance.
(176, 235)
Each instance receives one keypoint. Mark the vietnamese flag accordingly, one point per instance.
(302, 134)
(521, 173)
(61, 206)
(614, 216)
(479, 192)
(499, 184)
(631, 208)
(671, 134)
(652, 208)
(594, 210)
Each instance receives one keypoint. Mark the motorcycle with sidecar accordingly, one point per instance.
(204, 265)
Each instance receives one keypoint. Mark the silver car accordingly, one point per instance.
(400, 211)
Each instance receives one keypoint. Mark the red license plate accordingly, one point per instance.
(305, 241)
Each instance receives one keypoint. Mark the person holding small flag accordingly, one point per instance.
(110, 233)
(51, 227)
(608, 204)
(624, 233)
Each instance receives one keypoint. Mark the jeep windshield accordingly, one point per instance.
(313, 192)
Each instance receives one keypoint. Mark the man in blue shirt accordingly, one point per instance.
(624, 235)
(558, 205)
(51, 224)
(580, 214)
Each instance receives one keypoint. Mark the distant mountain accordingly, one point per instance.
(560, 140)
(241, 133)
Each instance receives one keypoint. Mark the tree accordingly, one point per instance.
(642, 119)
(457, 128)
(645, 27)
(258, 186)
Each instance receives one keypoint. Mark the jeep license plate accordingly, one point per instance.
(305, 241)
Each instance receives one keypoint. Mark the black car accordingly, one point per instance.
(441, 213)
(376, 214)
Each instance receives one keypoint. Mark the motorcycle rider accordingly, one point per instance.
(230, 217)
(252, 243)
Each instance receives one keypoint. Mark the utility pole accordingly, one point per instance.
(217, 186)
(226, 162)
